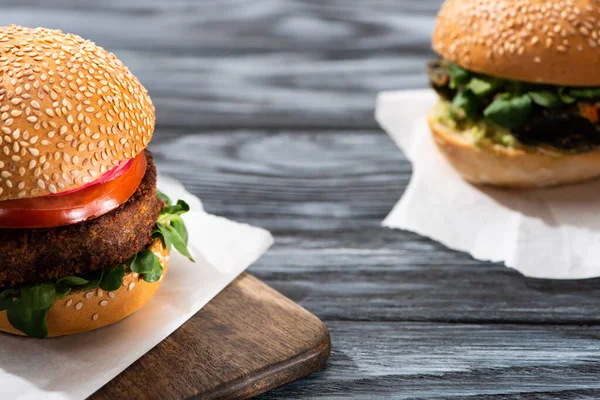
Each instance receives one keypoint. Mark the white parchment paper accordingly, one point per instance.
(545, 233)
(74, 367)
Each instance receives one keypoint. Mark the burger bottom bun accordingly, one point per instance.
(84, 311)
(496, 165)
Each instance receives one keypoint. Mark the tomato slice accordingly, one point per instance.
(82, 205)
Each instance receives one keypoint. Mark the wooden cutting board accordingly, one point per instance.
(246, 341)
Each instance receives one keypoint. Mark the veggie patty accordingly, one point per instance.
(37, 255)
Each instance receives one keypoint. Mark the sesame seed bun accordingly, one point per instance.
(496, 165)
(69, 112)
(537, 41)
(84, 311)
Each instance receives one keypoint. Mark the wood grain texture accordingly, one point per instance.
(246, 341)
(454, 361)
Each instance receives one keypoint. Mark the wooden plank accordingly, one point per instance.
(414, 279)
(246, 341)
(275, 63)
(334, 177)
(382, 360)
(323, 195)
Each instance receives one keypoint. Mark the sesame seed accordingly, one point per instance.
(69, 302)
(95, 317)
(79, 305)
(104, 303)
(111, 295)
(131, 286)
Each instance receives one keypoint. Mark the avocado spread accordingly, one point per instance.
(476, 130)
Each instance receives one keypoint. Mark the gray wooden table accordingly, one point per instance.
(265, 111)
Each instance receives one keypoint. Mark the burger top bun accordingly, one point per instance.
(537, 41)
(69, 112)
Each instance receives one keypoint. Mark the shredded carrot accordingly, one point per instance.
(589, 112)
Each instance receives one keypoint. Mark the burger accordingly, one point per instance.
(519, 88)
(84, 234)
